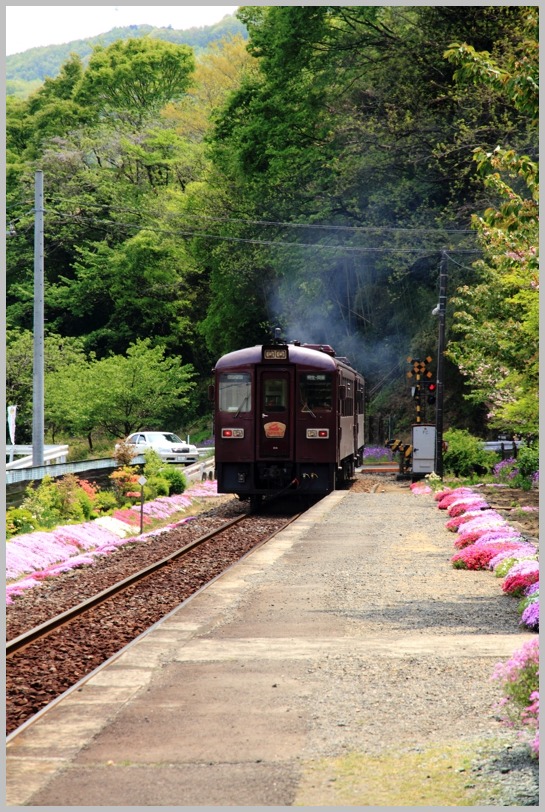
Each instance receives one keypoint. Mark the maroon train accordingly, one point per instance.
(288, 417)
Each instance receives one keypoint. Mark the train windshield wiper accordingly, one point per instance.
(306, 408)
(241, 405)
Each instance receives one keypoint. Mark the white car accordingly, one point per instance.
(169, 446)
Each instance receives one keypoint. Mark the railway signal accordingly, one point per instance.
(432, 388)
(419, 370)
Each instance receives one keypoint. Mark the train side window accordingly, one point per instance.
(315, 390)
(235, 392)
(347, 405)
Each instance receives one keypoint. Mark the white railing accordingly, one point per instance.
(58, 453)
(199, 470)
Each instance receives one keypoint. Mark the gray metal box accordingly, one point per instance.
(423, 448)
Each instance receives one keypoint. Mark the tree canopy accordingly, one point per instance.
(309, 176)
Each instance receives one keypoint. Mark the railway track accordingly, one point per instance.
(46, 661)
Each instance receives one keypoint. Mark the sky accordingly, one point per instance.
(34, 26)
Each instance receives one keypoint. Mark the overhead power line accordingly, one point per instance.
(252, 241)
(55, 201)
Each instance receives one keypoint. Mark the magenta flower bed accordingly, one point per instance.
(486, 540)
(477, 557)
(523, 550)
(31, 557)
(454, 496)
(521, 576)
(530, 616)
(464, 518)
(466, 503)
(487, 531)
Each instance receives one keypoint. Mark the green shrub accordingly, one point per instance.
(154, 465)
(72, 499)
(85, 503)
(466, 454)
(528, 460)
(20, 520)
(176, 479)
(104, 502)
(44, 502)
(156, 486)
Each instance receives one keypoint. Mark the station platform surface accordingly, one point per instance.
(237, 697)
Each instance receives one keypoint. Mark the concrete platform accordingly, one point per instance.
(227, 699)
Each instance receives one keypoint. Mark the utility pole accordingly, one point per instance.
(440, 311)
(38, 368)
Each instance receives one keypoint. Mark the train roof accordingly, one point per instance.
(297, 354)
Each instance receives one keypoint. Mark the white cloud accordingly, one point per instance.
(35, 26)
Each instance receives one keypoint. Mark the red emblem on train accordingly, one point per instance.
(274, 429)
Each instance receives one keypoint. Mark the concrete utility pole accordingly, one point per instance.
(441, 310)
(38, 368)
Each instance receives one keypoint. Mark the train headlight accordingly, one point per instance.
(232, 434)
(317, 434)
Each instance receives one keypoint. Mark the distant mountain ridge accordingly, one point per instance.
(30, 68)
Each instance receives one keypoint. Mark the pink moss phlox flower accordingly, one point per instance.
(466, 537)
(461, 491)
(86, 536)
(454, 496)
(530, 616)
(525, 656)
(465, 504)
(35, 551)
(14, 590)
(420, 488)
(520, 685)
(521, 576)
(524, 550)
(488, 518)
(442, 493)
(70, 564)
(207, 488)
(501, 534)
(474, 557)
(46, 553)
(130, 516)
(463, 518)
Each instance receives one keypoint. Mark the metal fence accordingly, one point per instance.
(61, 469)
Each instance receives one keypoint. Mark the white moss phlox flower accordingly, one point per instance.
(120, 529)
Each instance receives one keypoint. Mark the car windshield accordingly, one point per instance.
(165, 435)
(173, 438)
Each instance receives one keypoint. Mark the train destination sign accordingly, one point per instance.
(275, 353)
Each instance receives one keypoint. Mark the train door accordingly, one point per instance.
(274, 436)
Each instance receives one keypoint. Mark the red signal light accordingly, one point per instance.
(432, 387)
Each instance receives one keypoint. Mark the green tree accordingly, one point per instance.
(498, 318)
(134, 78)
(351, 142)
(123, 393)
(60, 353)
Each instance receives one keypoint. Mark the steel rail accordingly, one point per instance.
(23, 640)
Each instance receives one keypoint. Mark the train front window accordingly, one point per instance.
(235, 392)
(315, 392)
(275, 394)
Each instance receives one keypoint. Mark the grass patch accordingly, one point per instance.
(440, 775)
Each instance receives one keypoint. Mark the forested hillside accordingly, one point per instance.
(310, 176)
(27, 70)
